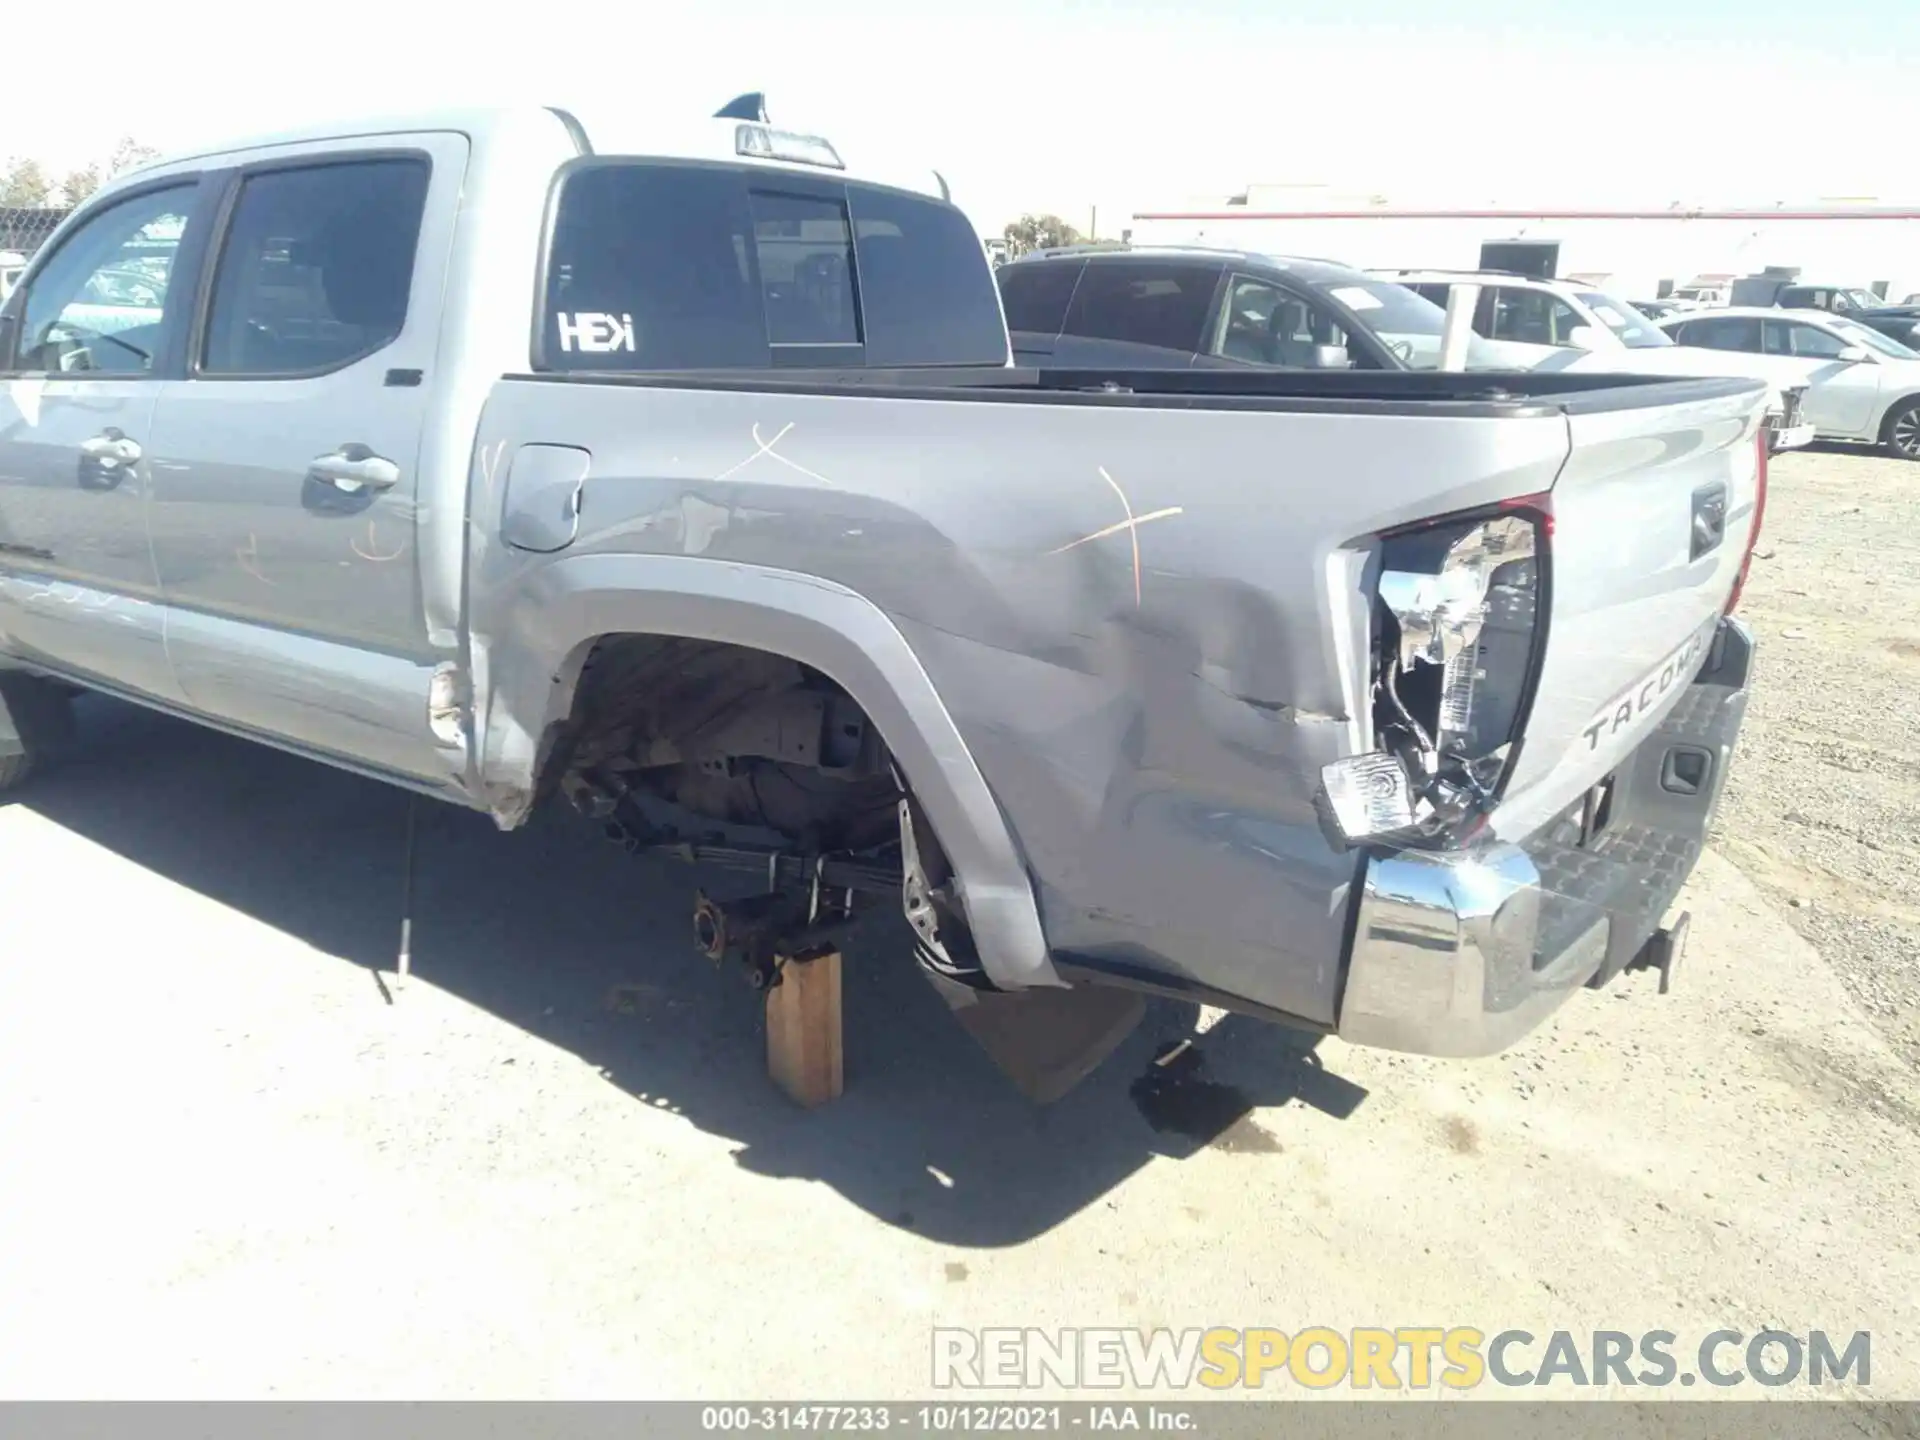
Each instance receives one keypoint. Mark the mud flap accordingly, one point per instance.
(1046, 1041)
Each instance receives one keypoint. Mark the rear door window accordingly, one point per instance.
(1725, 332)
(656, 265)
(1142, 302)
(1036, 294)
(1532, 317)
(316, 267)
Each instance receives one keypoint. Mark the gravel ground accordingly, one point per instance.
(1823, 808)
(240, 1164)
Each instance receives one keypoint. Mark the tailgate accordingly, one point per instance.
(1652, 513)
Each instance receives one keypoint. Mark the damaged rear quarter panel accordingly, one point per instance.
(1147, 623)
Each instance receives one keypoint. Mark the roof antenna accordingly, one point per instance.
(945, 194)
(750, 106)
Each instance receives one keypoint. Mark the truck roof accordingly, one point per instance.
(601, 128)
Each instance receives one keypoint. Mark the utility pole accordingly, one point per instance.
(1093, 224)
(1456, 331)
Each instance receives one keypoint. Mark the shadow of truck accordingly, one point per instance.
(543, 926)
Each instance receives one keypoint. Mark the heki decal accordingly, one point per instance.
(596, 332)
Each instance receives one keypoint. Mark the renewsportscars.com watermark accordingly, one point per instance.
(1404, 1358)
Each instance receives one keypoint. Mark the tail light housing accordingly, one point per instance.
(1459, 627)
(1760, 452)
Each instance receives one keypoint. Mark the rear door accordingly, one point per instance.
(92, 337)
(285, 502)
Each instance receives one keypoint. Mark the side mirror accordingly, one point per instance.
(1583, 337)
(1854, 355)
(1331, 357)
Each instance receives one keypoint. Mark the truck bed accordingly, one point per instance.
(1143, 597)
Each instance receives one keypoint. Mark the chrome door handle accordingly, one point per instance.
(111, 448)
(355, 470)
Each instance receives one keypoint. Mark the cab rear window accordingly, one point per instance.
(665, 265)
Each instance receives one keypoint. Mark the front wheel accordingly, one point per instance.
(1902, 431)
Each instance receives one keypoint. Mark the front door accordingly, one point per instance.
(1842, 395)
(1261, 323)
(286, 464)
(92, 337)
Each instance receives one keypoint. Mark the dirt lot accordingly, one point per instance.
(1824, 809)
(239, 1164)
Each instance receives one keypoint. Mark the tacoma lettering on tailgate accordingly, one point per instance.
(1643, 696)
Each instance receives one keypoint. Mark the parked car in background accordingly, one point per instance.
(1188, 306)
(119, 302)
(1530, 311)
(1699, 297)
(1655, 309)
(12, 266)
(1900, 322)
(1862, 385)
(1573, 327)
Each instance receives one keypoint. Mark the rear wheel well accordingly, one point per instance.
(730, 733)
(727, 744)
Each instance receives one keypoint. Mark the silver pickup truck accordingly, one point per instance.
(505, 457)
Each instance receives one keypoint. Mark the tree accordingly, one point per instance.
(1038, 232)
(24, 185)
(130, 153)
(79, 184)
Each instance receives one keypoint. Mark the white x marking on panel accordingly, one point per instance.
(1131, 525)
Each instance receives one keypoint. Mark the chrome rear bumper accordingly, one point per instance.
(1443, 954)
(1461, 953)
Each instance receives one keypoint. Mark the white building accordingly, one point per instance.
(1629, 250)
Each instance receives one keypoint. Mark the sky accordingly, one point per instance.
(1087, 109)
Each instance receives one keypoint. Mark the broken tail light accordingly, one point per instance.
(1760, 451)
(1459, 618)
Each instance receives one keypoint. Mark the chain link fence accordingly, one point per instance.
(23, 230)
